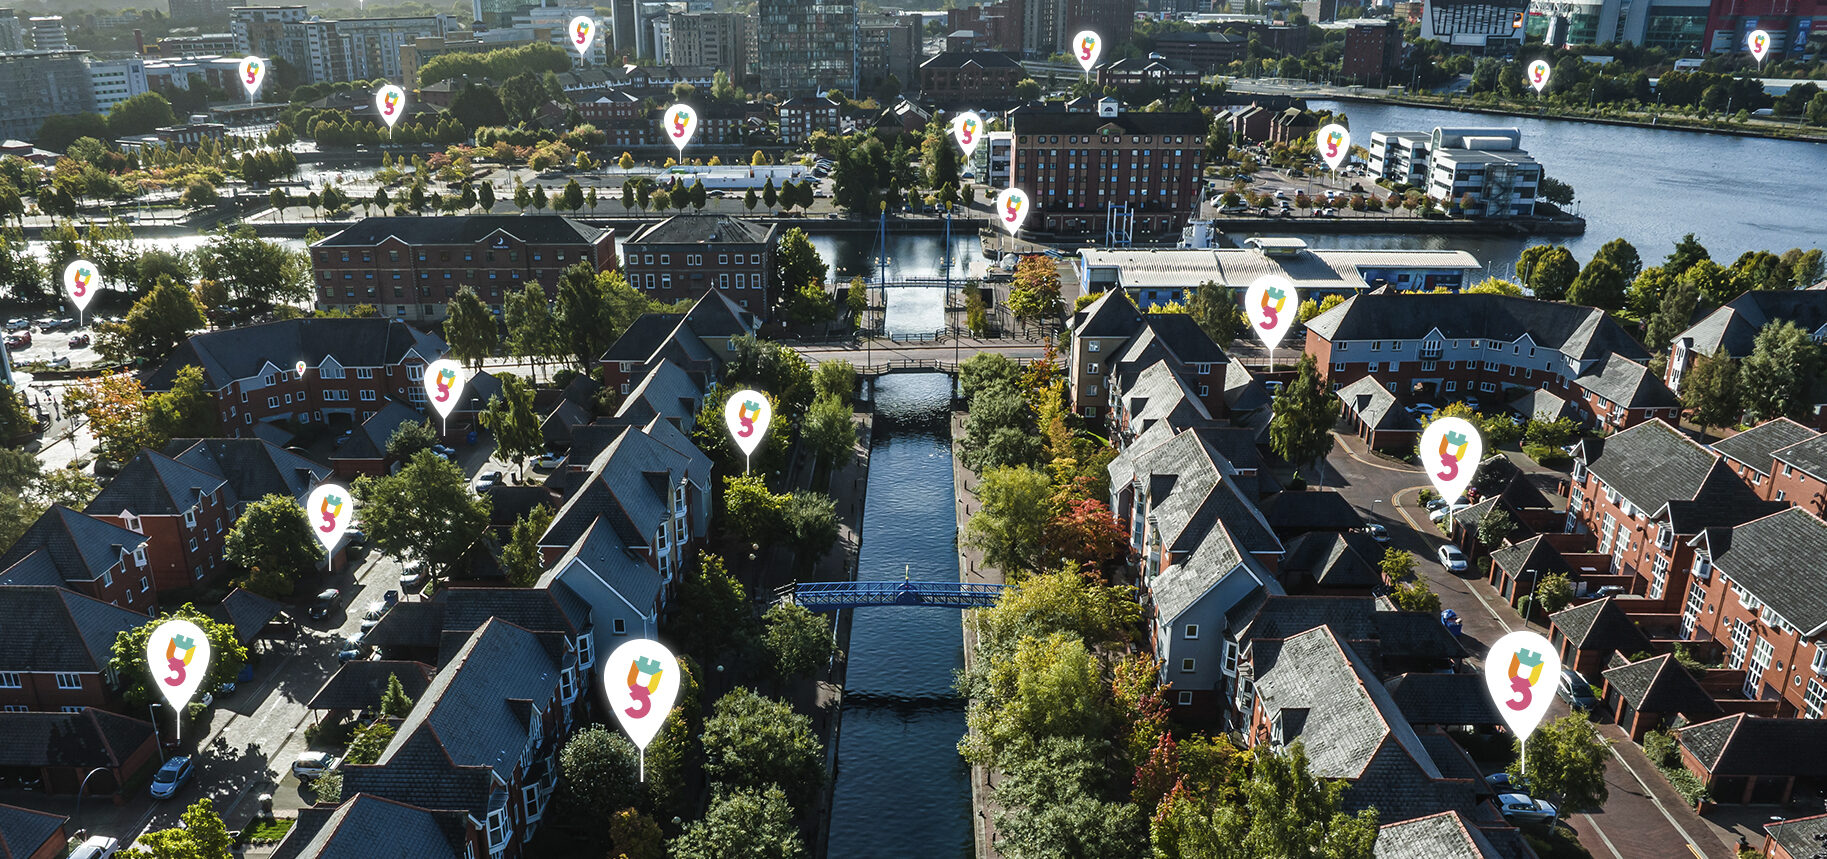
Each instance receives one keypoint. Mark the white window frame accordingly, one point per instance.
(67, 680)
(1191, 632)
(11, 680)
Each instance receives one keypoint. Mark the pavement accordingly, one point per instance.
(973, 570)
(1643, 818)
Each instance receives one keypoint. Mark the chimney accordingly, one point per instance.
(139, 42)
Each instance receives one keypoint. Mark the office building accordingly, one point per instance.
(1212, 50)
(990, 27)
(888, 45)
(201, 45)
(682, 256)
(1790, 23)
(115, 81)
(1487, 24)
(1320, 11)
(1373, 48)
(37, 85)
(500, 13)
(802, 115)
(716, 39)
(553, 24)
(632, 28)
(1449, 163)
(365, 48)
(48, 33)
(1111, 171)
(12, 32)
(806, 48)
(1157, 277)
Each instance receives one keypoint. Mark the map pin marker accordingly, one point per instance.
(1334, 145)
(1086, 46)
(642, 681)
(1538, 75)
(329, 509)
(1760, 44)
(81, 280)
(178, 654)
(583, 32)
(681, 123)
(444, 380)
(1272, 303)
(390, 102)
(747, 415)
(967, 129)
(253, 72)
(1451, 449)
(299, 368)
(1012, 209)
(1522, 671)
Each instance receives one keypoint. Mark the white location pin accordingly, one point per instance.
(1272, 303)
(390, 103)
(967, 129)
(253, 72)
(1451, 449)
(1334, 145)
(583, 32)
(642, 681)
(1759, 41)
(1011, 209)
(747, 415)
(444, 380)
(178, 654)
(1086, 46)
(299, 368)
(1522, 671)
(81, 280)
(681, 123)
(329, 509)
(1538, 75)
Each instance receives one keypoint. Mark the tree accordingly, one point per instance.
(1566, 760)
(829, 430)
(520, 557)
(1687, 252)
(798, 641)
(1415, 596)
(1052, 804)
(1493, 286)
(186, 411)
(1776, 378)
(203, 835)
(273, 541)
(1398, 565)
(60, 130)
(529, 322)
(1301, 430)
(476, 106)
(753, 511)
(470, 329)
(714, 615)
(1495, 527)
(485, 197)
(835, 378)
(369, 743)
(510, 416)
(1034, 291)
(1622, 254)
(409, 438)
(200, 194)
(1281, 812)
(1601, 284)
(1710, 392)
(1216, 312)
(636, 836)
(601, 769)
(158, 324)
(752, 743)
(1006, 529)
(394, 701)
(254, 269)
(1050, 686)
(141, 114)
(1085, 534)
(1551, 274)
(115, 406)
(1553, 592)
(128, 657)
(1557, 192)
(425, 510)
(743, 824)
(796, 264)
(811, 524)
(540, 200)
(999, 430)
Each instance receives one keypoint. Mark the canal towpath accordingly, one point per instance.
(972, 570)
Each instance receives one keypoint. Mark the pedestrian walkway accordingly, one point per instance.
(972, 570)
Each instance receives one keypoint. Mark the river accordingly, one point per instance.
(902, 790)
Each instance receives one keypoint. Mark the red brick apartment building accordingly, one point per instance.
(1077, 165)
(1759, 591)
(410, 266)
(684, 255)
(970, 78)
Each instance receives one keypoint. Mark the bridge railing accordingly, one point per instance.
(826, 596)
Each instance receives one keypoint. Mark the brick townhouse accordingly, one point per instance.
(1731, 329)
(1782, 461)
(409, 267)
(87, 554)
(1112, 342)
(698, 341)
(62, 642)
(802, 115)
(1759, 591)
(1494, 348)
(352, 367)
(684, 255)
(1077, 165)
(970, 79)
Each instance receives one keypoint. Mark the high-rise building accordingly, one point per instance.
(1373, 47)
(716, 39)
(37, 85)
(12, 32)
(262, 31)
(807, 46)
(48, 34)
(626, 28)
(500, 13)
(365, 48)
(115, 81)
(888, 45)
(203, 44)
(553, 24)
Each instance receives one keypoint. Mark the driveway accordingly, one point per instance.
(1643, 818)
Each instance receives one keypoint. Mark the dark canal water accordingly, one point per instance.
(902, 790)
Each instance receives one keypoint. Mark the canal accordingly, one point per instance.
(901, 789)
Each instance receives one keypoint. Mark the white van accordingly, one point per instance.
(97, 847)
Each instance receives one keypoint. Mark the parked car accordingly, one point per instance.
(78, 341)
(342, 438)
(96, 847)
(1519, 808)
(18, 324)
(171, 776)
(1422, 409)
(548, 461)
(326, 603)
(19, 340)
(1435, 504)
(313, 764)
(412, 574)
(61, 362)
(1503, 783)
(1452, 559)
(1377, 532)
(354, 648)
(487, 480)
(1450, 620)
(1440, 515)
(1607, 591)
(1234, 209)
(1576, 691)
(449, 453)
(377, 609)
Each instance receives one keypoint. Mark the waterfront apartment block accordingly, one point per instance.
(684, 255)
(1731, 331)
(1095, 172)
(806, 48)
(969, 79)
(1488, 164)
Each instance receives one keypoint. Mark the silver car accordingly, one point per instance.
(1519, 808)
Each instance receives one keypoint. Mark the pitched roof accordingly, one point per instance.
(247, 612)
(91, 738)
(1446, 835)
(24, 832)
(1584, 333)
(80, 546)
(469, 707)
(1178, 588)
(1651, 464)
(1599, 625)
(970, 59)
(1659, 684)
(1628, 383)
(1759, 746)
(1540, 404)
(1311, 510)
(1335, 560)
(1190, 486)
(599, 566)
(1809, 456)
(1443, 699)
(1376, 634)
(704, 229)
(253, 468)
(239, 353)
(371, 438)
(353, 829)
(56, 629)
(643, 337)
(1376, 407)
(1532, 554)
(1735, 325)
(1802, 837)
(1159, 395)
(1025, 121)
(630, 483)
(358, 685)
(1778, 558)
(462, 230)
(666, 391)
(1757, 446)
(1113, 315)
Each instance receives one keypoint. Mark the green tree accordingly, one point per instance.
(273, 541)
(1496, 527)
(796, 264)
(1301, 430)
(369, 744)
(742, 824)
(636, 836)
(1398, 565)
(394, 701)
(1687, 252)
(999, 430)
(1216, 312)
(1282, 811)
(1034, 293)
(254, 269)
(520, 557)
(1601, 284)
(141, 114)
(203, 835)
(1050, 686)
(829, 430)
(985, 370)
(1776, 378)
(714, 614)
(158, 324)
(1006, 529)
(753, 512)
(470, 329)
(798, 641)
(511, 417)
(752, 742)
(425, 510)
(811, 524)
(1060, 600)
(1417, 595)
(127, 660)
(1566, 760)
(1648, 292)
(1051, 804)
(1552, 273)
(1494, 286)
(185, 411)
(573, 196)
(1710, 391)
(582, 320)
(835, 378)
(601, 769)
(409, 438)
(530, 325)
(485, 197)
(1553, 592)
(1622, 254)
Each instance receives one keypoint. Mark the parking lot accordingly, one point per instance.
(51, 340)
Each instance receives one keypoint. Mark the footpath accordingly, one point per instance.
(972, 570)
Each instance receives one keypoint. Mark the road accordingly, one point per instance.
(1643, 818)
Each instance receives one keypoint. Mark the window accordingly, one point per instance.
(1338, 368)
(145, 584)
(1372, 366)
(1452, 385)
(497, 830)
(586, 650)
(364, 372)
(190, 518)
(1343, 346)
(1192, 631)
(69, 708)
(1376, 345)
(1230, 658)
(1812, 702)
(567, 685)
(1186, 665)
(1760, 662)
(1658, 577)
(1092, 369)
(272, 402)
(1186, 698)
(69, 681)
(1093, 345)
(1741, 639)
(9, 680)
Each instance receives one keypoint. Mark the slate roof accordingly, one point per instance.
(370, 439)
(1809, 456)
(1532, 554)
(704, 229)
(1376, 407)
(55, 629)
(462, 230)
(1051, 122)
(358, 685)
(970, 59)
(1735, 325)
(447, 619)
(1760, 746)
(23, 832)
(1159, 395)
(666, 391)
(354, 829)
(1443, 699)
(1651, 464)
(1379, 635)
(80, 547)
(1659, 684)
(598, 565)
(643, 337)
(1190, 487)
(1335, 560)
(1243, 393)
(1113, 315)
(1724, 501)
(1629, 383)
(1310, 510)
(630, 484)
(253, 468)
(1803, 837)
(715, 314)
(1599, 625)
(1757, 446)
(239, 353)
(1446, 835)
(417, 770)
(1178, 587)
(1584, 333)
(247, 612)
(1540, 404)
(153, 484)
(91, 738)
(469, 708)
(1778, 558)
(1182, 335)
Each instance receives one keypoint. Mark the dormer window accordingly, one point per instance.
(586, 650)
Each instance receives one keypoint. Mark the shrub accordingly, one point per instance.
(1692, 790)
(1659, 746)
